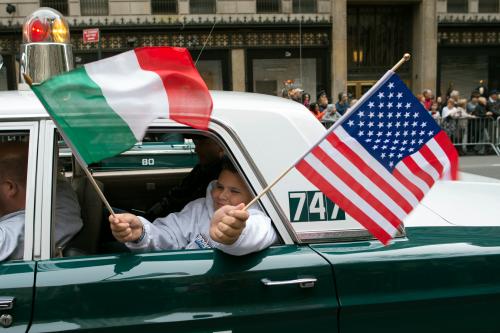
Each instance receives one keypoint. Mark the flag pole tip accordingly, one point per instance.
(28, 79)
(407, 56)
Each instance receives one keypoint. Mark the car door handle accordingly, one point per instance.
(303, 282)
(6, 302)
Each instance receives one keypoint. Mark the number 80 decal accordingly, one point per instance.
(308, 206)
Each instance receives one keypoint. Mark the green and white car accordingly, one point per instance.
(326, 273)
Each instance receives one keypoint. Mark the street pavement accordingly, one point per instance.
(486, 166)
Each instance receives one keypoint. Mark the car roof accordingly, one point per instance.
(265, 125)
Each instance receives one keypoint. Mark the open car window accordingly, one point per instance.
(155, 178)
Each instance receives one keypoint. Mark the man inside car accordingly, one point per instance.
(13, 171)
(194, 185)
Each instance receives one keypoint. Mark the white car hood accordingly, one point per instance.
(472, 201)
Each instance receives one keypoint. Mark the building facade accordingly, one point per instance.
(263, 45)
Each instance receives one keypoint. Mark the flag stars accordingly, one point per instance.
(420, 141)
(413, 133)
(384, 147)
(390, 115)
(407, 114)
(371, 115)
(390, 85)
(391, 155)
(371, 124)
(397, 134)
(379, 134)
(422, 133)
(399, 95)
(399, 106)
(411, 149)
(350, 123)
(371, 105)
(405, 133)
(380, 105)
(394, 148)
(412, 142)
(361, 114)
(430, 133)
(415, 115)
(388, 134)
(380, 95)
(377, 141)
(408, 105)
(406, 123)
(386, 141)
(405, 142)
(389, 105)
(389, 125)
(391, 95)
(375, 147)
(361, 123)
(391, 164)
(368, 140)
(361, 133)
(402, 149)
(400, 155)
(423, 124)
(370, 133)
(395, 142)
(380, 125)
(414, 124)
(383, 155)
(398, 124)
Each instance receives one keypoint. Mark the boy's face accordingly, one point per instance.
(230, 190)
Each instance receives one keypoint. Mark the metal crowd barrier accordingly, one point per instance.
(477, 134)
(469, 134)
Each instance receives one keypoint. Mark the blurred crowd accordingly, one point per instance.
(468, 120)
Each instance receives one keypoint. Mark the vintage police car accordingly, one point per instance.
(326, 274)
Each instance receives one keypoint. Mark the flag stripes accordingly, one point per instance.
(335, 162)
(381, 159)
(380, 227)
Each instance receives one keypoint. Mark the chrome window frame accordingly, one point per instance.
(32, 188)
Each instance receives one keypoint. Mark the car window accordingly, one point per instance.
(159, 176)
(14, 152)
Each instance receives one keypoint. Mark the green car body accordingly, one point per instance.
(325, 275)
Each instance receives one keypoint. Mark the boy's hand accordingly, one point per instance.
(125, 227)
(228, 223)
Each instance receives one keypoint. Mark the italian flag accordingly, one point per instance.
(105, 107)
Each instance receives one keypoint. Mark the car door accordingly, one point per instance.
(17, 277)
(437, 279)
(16, 293)
(187, 291)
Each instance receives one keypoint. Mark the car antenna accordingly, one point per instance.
(206, 41)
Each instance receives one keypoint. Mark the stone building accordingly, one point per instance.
(260, 45)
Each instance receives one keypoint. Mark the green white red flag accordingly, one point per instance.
(105, 107)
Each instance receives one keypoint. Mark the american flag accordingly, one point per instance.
(381, 157)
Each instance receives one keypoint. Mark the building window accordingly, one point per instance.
(304, 6)
(457, 6)
(268, 6)
(202, 6)
(163, 6)
(488, 6)
(377, 37)
(59, 5)
(94, 7)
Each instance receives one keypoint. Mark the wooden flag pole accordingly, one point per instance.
(29, 81)
(405, 58)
